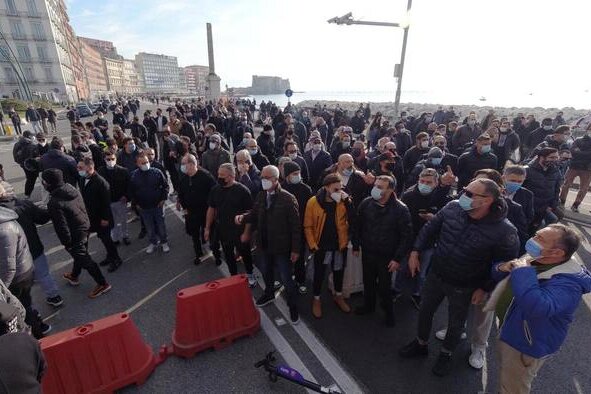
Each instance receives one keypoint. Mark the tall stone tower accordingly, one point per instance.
(213, 81)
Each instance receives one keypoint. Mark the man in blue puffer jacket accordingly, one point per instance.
(536, 304)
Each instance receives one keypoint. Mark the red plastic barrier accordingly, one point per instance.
(213, 315)
(98, 357)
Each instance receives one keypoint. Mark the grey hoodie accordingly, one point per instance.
(16, 261)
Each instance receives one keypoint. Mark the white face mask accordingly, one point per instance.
(317, 147)
(293, 155)
(267, 184)
(111, 163)
(295, 179)
(336, 196)
(43, 143)
(145, 167)
(424, 144)
(213, 145)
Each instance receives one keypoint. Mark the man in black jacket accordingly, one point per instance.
(258, 158)
(383, 231)
(26, 148)
(29, 216)
(56, 158)
(414, 154)
(468, 235)
(118, 179)
(97, 198)
(514, 177)
(317, 161)
(543, 179)
(302, 192)
(70, 221)
(580, 166)
(506, 145)
(478, 157)
(152, 128)
(195, 185)
(101, 123)
(276, 218)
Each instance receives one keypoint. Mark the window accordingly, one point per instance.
(37, 29)
(32, 7)
(9, 74)
(48, 74)
(29, 73)
(23, 52)
(42, 52)
(11, 6)
(17, 29)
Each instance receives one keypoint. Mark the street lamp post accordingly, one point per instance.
(16, 66)
(347, 19)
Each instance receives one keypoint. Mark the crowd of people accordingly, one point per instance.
(447, 204)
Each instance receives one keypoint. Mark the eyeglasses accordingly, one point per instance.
(472, 194)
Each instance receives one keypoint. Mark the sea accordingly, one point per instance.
(578, 99)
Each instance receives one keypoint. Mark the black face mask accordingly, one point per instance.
(356, 152)
(222, 182)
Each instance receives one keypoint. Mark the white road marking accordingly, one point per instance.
(154, 293)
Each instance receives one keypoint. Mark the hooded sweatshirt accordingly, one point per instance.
(15, 258)
(68, 215)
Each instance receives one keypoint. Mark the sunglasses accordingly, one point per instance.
(472, 194)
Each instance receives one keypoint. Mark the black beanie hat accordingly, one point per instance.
(53, 177)
(290, 167)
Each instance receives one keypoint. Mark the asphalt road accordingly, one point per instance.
(356, 353)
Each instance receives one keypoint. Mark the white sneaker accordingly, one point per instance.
(252, 282)
(165, 247)
(443, 332)
(150, 248)
(477, 357)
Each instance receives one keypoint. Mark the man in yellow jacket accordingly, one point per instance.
(327, 232)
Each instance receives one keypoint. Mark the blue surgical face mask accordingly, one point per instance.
(253, 152)
(347, 171)
(424, 189)
(512, 187)
(486, 149)
(131, 147)
(82, 174)
(376, 193)
(533, 248)
(465, 202)
(436, 160)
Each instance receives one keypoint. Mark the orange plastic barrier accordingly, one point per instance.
(98, 357)
(213, 315)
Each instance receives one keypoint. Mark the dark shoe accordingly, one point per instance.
(142, 233)
(575, 208)
(389, 320)
(265, 300)
(363, 310)
(197, 260)
(114, 266)
(294, 316)
(126, 241)
(416, 301)
(99, 290)
(413, 349)
(44, 328)
(218, 261)
(277, 285)
(55, 301)
(72, 280)
(105, 262)
(443, 364)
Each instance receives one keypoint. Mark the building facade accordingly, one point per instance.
(80, 81)
(196, 79)
(105, 48)
(132, 83)
(159, 73)
(94, 70)
(34, 49)
(114, 72)
(268, 85)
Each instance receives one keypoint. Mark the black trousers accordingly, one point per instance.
(299, 268)
(377, 280)
(82, 260)
(104, 234)
(459, 300)
(22, 291)
(320, 271)
(31, 177)
(17, 128)
(170, 166)
(242, 249)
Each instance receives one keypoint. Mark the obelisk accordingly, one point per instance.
(213, 81)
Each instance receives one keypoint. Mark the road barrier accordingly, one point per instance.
(213, 315)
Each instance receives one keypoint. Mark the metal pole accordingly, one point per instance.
(16, 64)
(402, 57)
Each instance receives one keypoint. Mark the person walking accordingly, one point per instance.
(148, 190)
(26, 148)
(580, 166)
(32, 116)
(275, 216)
(52, 119)
(326, 228)
(70, 221)
(383, 233)
(543, 180)
(468, 235)
(97, 199)
(16, 121)
(194, 188)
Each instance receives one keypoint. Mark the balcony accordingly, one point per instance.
(31, 60)
(23, 37)
(22, 14)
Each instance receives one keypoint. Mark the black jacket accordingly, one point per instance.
(24, 149)
(29, 216)
(119, 119)
(118, 179)
(356, 187)
(472, 161)
(266, 146)
(98, 155)
(412, 157)
(138, 130)
(188, 130)
(383, 230)
(57, 159)
(260, 160)
(510, 144)
(302, 193)
(545, 185)
(465, 249)
(516, 215)
(97, 199)
(278, 227)
(548, 142)
(525, 198)
(537, 136)
(431, 203)
(316, 167)
(68, 214)
(193, 193)
(581, 151)
(148, 188)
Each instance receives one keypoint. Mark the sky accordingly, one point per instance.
(476, 47)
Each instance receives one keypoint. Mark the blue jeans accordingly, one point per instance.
(155, 226)
(282, 262)
(43, 277)
(403, 275)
